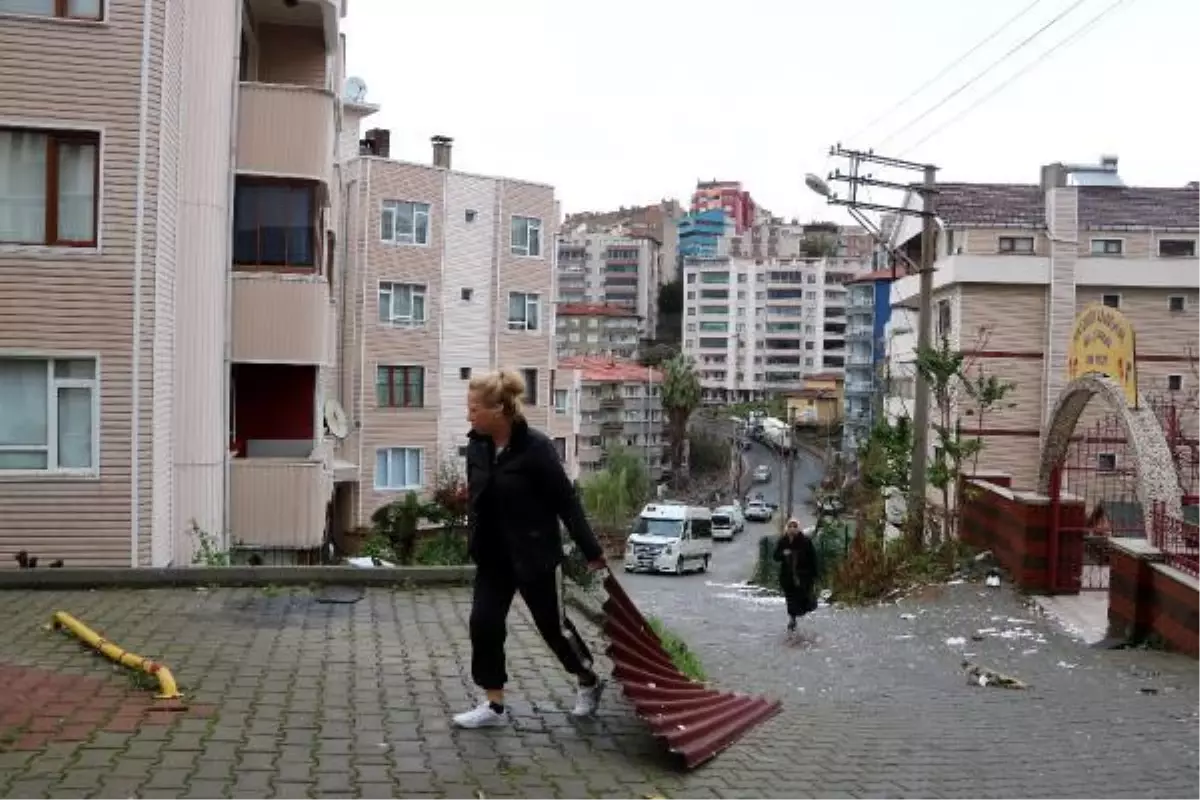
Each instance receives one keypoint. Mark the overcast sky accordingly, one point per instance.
(628, 101)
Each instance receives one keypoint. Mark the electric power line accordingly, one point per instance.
(1016, 48)
(944, 71)
(1010, 79)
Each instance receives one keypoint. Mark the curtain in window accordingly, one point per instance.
(24, 417)
(421, 226)
(83, 8)
(415, 393)
(76, 191)
(22, 187)
(404, 222)
(516, 309)
(531, 315)
(398, 468)
(74, 428)
(520, 235)
(381, 469)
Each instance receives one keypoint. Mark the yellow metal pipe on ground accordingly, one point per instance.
(167, 689)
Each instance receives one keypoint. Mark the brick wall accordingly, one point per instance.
(1015, 526)
(1151, 600)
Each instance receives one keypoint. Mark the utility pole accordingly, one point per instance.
(927, 189)
(790, 472)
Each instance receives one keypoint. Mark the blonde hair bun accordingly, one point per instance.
(504, 388)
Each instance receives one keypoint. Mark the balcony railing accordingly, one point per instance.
(284, 319)
(286, 131)
(279, 502)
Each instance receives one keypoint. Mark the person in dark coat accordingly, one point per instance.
(797, 559)
(518, 494)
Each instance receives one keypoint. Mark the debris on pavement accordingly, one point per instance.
(993, 579)
(907, 616)
(367, 562)
(956, 641)
(978, 675)
(1065, 665)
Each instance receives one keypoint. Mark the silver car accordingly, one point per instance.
(762, 473)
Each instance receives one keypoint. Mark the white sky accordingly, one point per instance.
(628, 101)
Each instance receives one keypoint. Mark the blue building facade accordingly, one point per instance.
(868, 309)
(701, 232)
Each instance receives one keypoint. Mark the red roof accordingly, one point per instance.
(877, 275)
(603, 368)
(593, 310)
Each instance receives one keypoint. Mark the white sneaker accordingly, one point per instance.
(587, 699)
(482, 716)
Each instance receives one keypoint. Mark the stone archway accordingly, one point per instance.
(1156, 478)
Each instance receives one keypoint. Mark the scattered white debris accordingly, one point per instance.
(1029, 652)
(753, 599)
(997, 617)
(904, 636)
(908, 616)
(956, 641)
(986, 554)
(1015, 621)
(368, 562)
(986, 631)
(1065, 665)
(955, 582)
(993, 579)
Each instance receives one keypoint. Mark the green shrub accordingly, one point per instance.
(681, 656)
(443, 550)
(377, 546)
(766, 570)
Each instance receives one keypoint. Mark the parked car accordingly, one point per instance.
(727, 522)
(758, 511)
(762, 473)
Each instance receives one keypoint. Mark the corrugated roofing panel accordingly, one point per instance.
(695, 721)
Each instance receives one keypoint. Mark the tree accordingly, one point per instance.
(607, 499)
(680, 397)
(399, 522)
(947, 371)
(670, 298)
(655, 353)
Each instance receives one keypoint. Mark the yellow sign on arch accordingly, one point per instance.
(1102, 343)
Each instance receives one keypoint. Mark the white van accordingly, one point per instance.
(670, 537)
(727, 522)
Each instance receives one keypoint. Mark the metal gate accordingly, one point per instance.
(1098, 468)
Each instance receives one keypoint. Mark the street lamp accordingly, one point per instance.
(817, 184)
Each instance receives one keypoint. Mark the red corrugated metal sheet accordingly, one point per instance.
(695, 721)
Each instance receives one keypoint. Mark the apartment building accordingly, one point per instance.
(868, 309)
(611, 268)
(609, 404)
(658, 221)
(167, 232)
(595, 329)
(1016, 263)
(451, 274)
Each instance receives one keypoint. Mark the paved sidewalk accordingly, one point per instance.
(293, 697)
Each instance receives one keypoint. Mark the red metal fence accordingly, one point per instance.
(695, 721)
(1177, 539)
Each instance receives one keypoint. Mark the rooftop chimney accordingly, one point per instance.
(1053, 176)
(441, 151)
(1108, 163)
(378, 142)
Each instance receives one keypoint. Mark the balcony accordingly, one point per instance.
(279, 502)
(612, 402)
(323, 14)
(280, 318)
(286, 131)
(857, 333)
(859, 388)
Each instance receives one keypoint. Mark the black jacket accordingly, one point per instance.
(529, 493)
(798, 563)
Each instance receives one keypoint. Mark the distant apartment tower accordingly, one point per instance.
(611, 269)
(594, 329)
(169, 224)
(868, 311)
(451, 276)
(657, 221)
(726, 196)
(611, 404)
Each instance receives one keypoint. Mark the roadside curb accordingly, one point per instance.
(183, 577)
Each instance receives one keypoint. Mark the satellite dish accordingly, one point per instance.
(817, 184)
(355, 90)
(336, 420)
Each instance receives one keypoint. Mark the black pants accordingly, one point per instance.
(495, 586)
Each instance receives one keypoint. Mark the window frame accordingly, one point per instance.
(524, 250)
(1013, 249)
(54, 138)
(1176, 378)
(1120, 240)
(400, 322)
(565, 408)
(531, 298)
(1182, 298)
(53, 385)
(531, 386)
(1105, 295)
(315, 234)
(402, 488)
(1101, 466)
(391, 371)
(943, 330)
(390, 205)
(62, 13)
(1188, 240)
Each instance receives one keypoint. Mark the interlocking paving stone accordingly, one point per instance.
(303, 699)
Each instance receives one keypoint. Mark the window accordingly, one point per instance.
(398, 468)
(531, 388)
(527, 237)
(49, 184)
(274, 224)
(1174, 383)
(402, 304)
(65, 9)
(462, 451)
(1176, 303)
(561, 401)
(1108, 247)
(1177, 248)
(522, 311)
(1111, 300)
(464, 373)
(1106, 462)
(470, 215)
(50, 414)
(1016, 244)
(404, 222)
(400, 387)
(944, 319)
(560, 447)
(467, 293)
